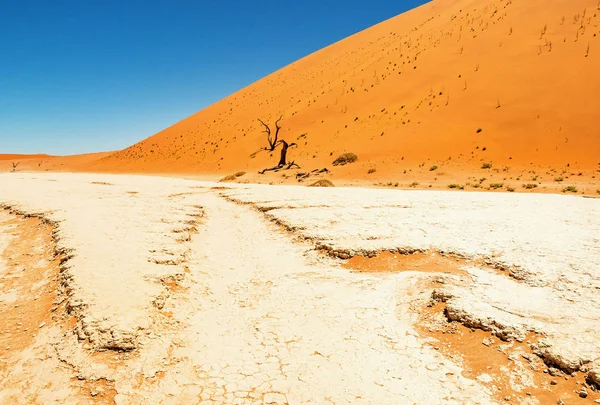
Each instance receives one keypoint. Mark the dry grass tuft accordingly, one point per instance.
(232, 176)
(344, 159)
(321, 183)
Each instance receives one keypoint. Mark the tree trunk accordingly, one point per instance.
(284, 148)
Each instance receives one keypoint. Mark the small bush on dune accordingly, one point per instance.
(510, 189)
(496, 186)
(232, 176)
(321, 183)
(345, 159)
(558, 179)
(432, 168)
(486, 166)
(457, 186)
(529, 186)
(371, 171)
(570, 189)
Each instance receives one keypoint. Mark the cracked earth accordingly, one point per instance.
(148, 290)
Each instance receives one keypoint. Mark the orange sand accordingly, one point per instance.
(453, 83)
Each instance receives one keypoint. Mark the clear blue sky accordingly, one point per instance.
(85, 76)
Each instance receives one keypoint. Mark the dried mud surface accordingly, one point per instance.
(136, 289)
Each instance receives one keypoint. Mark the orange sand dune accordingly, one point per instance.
(414, 89)
(427, 96)
(42, 162)
(16, 157)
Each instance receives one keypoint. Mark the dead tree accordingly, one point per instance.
(14, 165)
(274, 142)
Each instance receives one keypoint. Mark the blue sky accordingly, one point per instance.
(87, 76)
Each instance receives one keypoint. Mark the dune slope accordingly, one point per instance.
(453, 82)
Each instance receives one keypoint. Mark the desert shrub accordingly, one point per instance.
(457, 186)
(345, 159)
(496, 186)
(372, 170)
(570, 189)
(228, 178)
(413, 184)
(479, 130)
(529, 186)
(558, 179)
(321, 183)
(432, 168)
(486, 166)
(510, 189)
(231, 177)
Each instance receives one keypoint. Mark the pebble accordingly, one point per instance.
(583, 393)
(553, 382)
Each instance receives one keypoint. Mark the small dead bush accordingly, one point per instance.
(496, 186)
(529, 186)
(321, 183)
(486, 166)
(344, 159)
(232, 176)
(457, 186)
(570, 189)
(371, 171)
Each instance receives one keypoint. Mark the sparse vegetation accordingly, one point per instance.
(457, 186)
(321, 183)
(345, 158)
(558, 179)
(510, 189)
(232, 176)
(570, 189)
(413, 184)
(529, 186)
(432, 168)
(496, 186)
(486, 166)
(372, 170)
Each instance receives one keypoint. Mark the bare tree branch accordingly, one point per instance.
(277, 130)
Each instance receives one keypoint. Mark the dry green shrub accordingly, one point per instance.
(345, 158)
